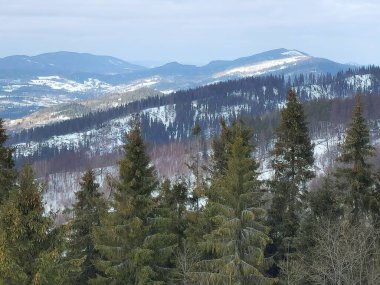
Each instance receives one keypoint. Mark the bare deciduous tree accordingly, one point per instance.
(186, 260)
(344, 254)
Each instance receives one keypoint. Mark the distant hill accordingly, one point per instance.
(61, 64)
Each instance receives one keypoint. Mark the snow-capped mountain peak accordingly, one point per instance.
(266, 66)
(293, 53)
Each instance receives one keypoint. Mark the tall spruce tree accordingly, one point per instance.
(356, 171)
(234, 245)
(221, 144)
(24, 231)
(7, 171)
(292, 164)
(86, 212)
(169, 227)
(123, 236)
(196, 167)
(30, 248)
(198, 188)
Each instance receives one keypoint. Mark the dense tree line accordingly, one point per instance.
(222, 226)
(325, 117)
(261, 94)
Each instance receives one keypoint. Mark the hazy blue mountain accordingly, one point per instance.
(59, 63)
(82, 65)
(29, 83)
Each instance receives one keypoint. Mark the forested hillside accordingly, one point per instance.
(220, 223)
(169, 119)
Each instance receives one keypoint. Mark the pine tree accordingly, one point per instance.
(123, 237)
(7, 171)
(234, 246)
(87, 210)
(292, 164)
(356, 172)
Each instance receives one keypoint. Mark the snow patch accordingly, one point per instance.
(292, 53)
(138, 84)
(362, 82)
(166, 114)
(57, 83)
(261, 67)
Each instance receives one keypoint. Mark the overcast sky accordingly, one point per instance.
(192, 31)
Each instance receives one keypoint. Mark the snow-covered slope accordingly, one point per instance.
(263, 67)
(78, 108)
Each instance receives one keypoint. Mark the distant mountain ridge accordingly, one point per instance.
(63, 62)
(71, 63)
(29, 83)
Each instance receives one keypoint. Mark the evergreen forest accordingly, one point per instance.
(220, 224)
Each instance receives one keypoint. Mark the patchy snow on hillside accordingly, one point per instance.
(58, 83)
(102, 140)
(200, 111)
(316, 91)
(325, 152)
(57, 198)
(11, 88)
(292, 53)
(261, 67)
(167, 91)
(135, 85)
(361, 82)
(166, 114)
(227, 111)
(34, 101)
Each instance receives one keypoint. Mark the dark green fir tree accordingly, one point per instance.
(355, 174)
(221, 144)
(123, 236)
(169, 227)
(293, 167)
(87, 210)
(219, 147)
(7, 172)
(234, 245)
(31, 249)
(197, 169)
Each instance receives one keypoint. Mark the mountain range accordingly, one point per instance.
(84, 103)
(29, 83)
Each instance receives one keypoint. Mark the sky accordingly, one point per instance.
(152, 32)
